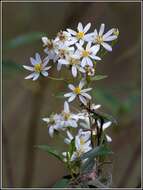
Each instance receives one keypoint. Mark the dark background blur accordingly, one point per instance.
(26, 102)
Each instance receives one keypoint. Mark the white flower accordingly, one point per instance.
(95, 107)
(49, 48)
(101, 39)
(62, 52)
(68, 119)
(82, 144)
(88, 54)
(53, 123)
(63, 38)
(69, 138)
(104, 127)
(80, 35)
(39, 66)
(73, 61)
(78, 92)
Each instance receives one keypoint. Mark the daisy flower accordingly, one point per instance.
(49, 48)
(101, 39)
(63, 37)
(39, 67)
(80, 34)
(62, 52)
(87, 54)
(53, 123)
(69, 119)
(74, 62)
(78, 92)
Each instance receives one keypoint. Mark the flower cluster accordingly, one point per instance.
(79, 51)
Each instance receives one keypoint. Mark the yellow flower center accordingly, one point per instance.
(99, 39)
(80, 35)
(82, 141)
(66, 115)
(77, 90)
(85, 53)
(38, 67)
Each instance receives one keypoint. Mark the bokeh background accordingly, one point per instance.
(26, 102)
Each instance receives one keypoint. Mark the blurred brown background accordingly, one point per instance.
(25, 102)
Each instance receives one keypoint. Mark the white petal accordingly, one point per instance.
(89, 62)
(71, 86)
(30, 76)
(101, 30)
(94, 49)
(68, 94)
(51, 131)
(47, 120)
(33, 61)
(71, 31)
(45, 40)
(66, 107)
(28, 68)
(36, 75)
(80, 27)
(83, 62)
(63, 61)
(83, 100)
(107, 46)
(81, 84)
(74, 71)
(44, 73)
(110, 38)
(86, 95)
(87, 27)
(59, 65)
(106, 125)
(67, 141)
(38, 58)
(73, 96)
(108, 33)
(95, 57)
(47, 68)
(88, 46)
(69, 135)
(86, 89)
(108, 138)
(45, 61)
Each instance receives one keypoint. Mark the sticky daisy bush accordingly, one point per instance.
(83, 132)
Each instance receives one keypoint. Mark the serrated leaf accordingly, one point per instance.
(99, 77)
(23, 40)
(62, 183)
(50, 150)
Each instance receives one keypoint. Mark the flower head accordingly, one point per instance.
(39, 67)
(53, 123)
(104, 127)
(80, 34)
(87, 54)
(102, 39)
(78, 92)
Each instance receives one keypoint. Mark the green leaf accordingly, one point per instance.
(50, 150)
(98, 77)
(62, 183)
(98, 151)
(23, 40)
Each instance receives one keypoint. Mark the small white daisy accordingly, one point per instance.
(49, 48)
(68, 119)
(39, 67)
(101, 39)
(78, 92)
(88, 54)
(73, 61)
(63, 38)
(80, 34)
(53, 123)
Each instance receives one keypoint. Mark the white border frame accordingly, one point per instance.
(74, 1)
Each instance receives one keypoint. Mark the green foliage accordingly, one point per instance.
(11, 67)
(23, 40)
(98, 151)
(98, 77)
(62, 183)
(50, 150)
